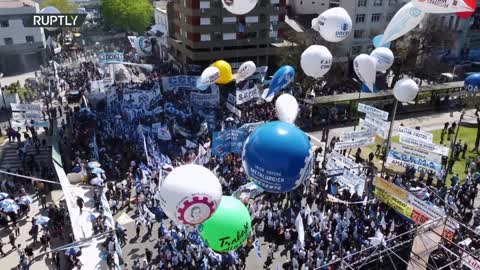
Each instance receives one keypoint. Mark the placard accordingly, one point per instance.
(372, 111)
(415, 142)
(403, 160)
(353, 144)
(382, 132)
(417, 152)
(25, 107)
(246, 95)
(358, 134)
(422, 135)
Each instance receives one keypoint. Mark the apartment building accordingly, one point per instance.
(202, 31)
(22, 49)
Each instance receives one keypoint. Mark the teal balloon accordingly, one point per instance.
(377, 40)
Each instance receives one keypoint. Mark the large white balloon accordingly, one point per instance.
(246, 70)
(405, 90)
(335, 24)
(287, 108)
(316, 61)
(315, 25)
(406, 18)
(209, 76)
(365, 68)
(239, 7)
(50, 10)
(384, 57)
(442, 6)
(190, 194)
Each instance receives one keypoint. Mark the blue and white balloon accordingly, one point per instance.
(335, 24)
(277, 157)
(281, 79)
(472, 82)
(384, 57)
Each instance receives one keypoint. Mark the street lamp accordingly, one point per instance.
(405, 90)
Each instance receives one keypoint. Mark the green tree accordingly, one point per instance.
(65, 6)
(130, 15)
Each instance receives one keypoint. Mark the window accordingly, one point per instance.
(450, 22)
(360, 18)
(274, 18)
(8, 41)
(376, 17)
(204, 4)
(358, 33)
(332, 5)
(392, 2)
(4, 23)
(362, 3)
(378, 3)
(29, 39)
(25, 21)
(204, 21)
(205, 37)
(229, 19)
(251, 19)
(273, 34)
(356, 50)
(252, 35)
(229, 36)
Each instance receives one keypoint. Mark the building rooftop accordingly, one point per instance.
(16, 3)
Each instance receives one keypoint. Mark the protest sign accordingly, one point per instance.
(110, 57)
(419, 143)
(358, 134)
(349, 176)
(382, 132)
(181, 81)
(246, 95)
(372, 111)
(422, 135)
(25, 107)
(28, 115)
(162, 131)
(211, 100)
(418, 163)
(228, 141)
(470, 262)
(353, 144)
(417, 152)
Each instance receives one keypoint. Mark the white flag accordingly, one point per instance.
(392, 226)
(300, 229)
(308, 215)
(383, 223)
(257, 247)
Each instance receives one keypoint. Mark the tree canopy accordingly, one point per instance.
(65, 6)
(130, 15)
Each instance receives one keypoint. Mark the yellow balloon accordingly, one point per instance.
(226, 75)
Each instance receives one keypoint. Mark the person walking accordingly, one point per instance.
(1, 248)
(11, 238)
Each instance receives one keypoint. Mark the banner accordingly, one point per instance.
(110, 57)
(403, 160)
(353, 144)
(416, 152)
(380, 131)
(206, 100)
(162, 131)
(411, 207)
(346, 171)
(25, 107)
(372, 111)
(181, 81)
(28, 115)
(246, 95)
(422, 135)
(358, 134)
(100, 85)
(415, 142)
(470, 262)
(228, 141)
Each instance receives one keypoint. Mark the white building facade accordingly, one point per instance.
(22, 49)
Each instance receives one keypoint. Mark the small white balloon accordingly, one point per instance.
(365, 68)
(384, 57)
(335, 24)
(444, 6)
(405, 90)
(190, 194)
(209, 76)
(239, 7)
(287, 108)
(316, 61)
(246, 70)
(315, 25)
(50, 10)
